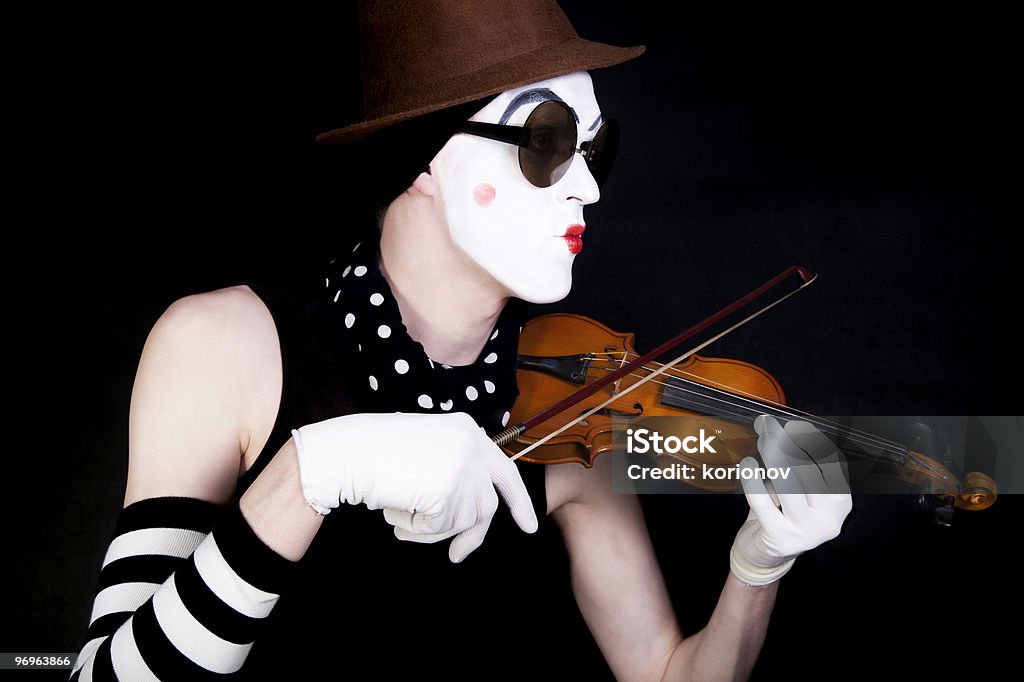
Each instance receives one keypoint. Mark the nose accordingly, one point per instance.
(579, 182)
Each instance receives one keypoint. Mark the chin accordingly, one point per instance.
(542, 292)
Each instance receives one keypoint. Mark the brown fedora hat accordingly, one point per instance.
(420, 56)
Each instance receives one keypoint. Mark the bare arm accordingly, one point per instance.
(622, 596)
(205, 398)
(728, 646)
(276, 509)
(204, 401)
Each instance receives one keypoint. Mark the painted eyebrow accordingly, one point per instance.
(530, 97)
(594, 124)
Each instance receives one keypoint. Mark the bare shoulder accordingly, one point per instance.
(238, 304)
(206, 394)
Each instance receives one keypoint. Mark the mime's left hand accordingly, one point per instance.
(812, 504)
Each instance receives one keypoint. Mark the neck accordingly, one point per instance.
(449, 304)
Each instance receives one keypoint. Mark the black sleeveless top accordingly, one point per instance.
(364, 605)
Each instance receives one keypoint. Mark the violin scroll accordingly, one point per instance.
(978, 492)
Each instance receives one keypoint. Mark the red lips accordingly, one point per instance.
(572, 238)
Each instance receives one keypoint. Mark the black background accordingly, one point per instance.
(171, 153)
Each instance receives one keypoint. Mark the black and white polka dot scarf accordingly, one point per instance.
(395, 372)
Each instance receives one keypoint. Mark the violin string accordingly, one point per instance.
(745, 411)
(637, 384)
(850, 434)
(759, 406)
(861, 437)
(662, 369)
(757, 402)
(787, 411)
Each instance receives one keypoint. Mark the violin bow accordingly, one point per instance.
(506, 436)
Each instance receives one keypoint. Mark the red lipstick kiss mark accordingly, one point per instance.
(483, 195)
(572, 238)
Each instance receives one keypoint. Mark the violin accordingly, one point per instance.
(559, 354)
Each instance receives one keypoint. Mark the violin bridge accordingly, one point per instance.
(615, 385)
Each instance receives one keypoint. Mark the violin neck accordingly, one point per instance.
(694, 397)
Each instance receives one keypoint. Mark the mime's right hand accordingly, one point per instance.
(434, 474)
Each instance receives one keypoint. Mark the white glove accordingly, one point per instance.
(435, 474)
(814, 499)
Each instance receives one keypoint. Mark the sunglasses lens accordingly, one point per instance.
(549, 144)
(550, 141)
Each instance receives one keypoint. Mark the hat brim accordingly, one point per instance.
(548, 62)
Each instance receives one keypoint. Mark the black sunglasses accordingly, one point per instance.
(548, 140)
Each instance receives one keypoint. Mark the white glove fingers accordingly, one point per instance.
(417, 522)
(423, 538)
(824, 452)
(399, 518)
(814, 442)
(796, 507)
(467, 541)
(778, 451)
(763, 422)
(454, 487)
(505, 476)
(758, 498)
(465, 517)
(802, 469)
(836, 477)
(766, 546)
(837, 505)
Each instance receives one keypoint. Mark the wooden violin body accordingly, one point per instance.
(561, 353)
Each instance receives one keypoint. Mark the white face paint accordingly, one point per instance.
(525, 236)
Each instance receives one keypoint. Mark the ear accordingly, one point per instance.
(426, 183)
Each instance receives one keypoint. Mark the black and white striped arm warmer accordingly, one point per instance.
(175, 601)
